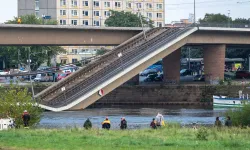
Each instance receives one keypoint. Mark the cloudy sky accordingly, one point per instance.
(175, 9)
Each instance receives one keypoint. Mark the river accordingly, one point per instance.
(136, 117)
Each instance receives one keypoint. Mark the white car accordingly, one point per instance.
(3, 72)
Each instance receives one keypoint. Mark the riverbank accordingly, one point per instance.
(170, 137)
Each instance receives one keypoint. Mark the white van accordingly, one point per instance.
(44, 77)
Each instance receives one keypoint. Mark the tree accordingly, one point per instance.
(38, 53)
(215, 18)
(14, 100)
(126, 19)
(101, 51)
(194, 52)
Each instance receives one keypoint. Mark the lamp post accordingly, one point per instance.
(140, 16)
(43, 16)
(29, 62)
(228, 18)
(100, 21)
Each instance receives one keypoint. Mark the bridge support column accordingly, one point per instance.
(214, 61)
(171, 67)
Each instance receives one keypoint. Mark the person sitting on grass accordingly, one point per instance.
(228, 122)
(153, 124)
(26, 118)
(87, 124)
(123, 124)
(217, 122)
(106, 124)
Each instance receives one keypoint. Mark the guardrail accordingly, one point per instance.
(228, 25)
(129, 58)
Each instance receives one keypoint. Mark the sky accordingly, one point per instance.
(175, 9)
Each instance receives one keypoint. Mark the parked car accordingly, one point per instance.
(28, 77)
(242, 74)
(44, 77)
(3, 72)
(150, 77)
(62, 76)
(185, 72)
(43, 68)
(199, 78)
(159, 77)
(148, 71)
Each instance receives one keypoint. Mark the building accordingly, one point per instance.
(89, 13)
(182, 22)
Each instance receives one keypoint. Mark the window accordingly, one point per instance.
(117, 4)
(159, 6)
(63, 12)
(85, 13)
(129, 5)
(96, 3)
(149, 6)
(74, 12)
(149, 15)
(74, 60)
(107, 13)
(74, 3)
(85, 22)
(85, 3)
(159, 15)
(96, 23)
(159, 24)
(74, 22)
(96, 13)
(63, 2)
(37, 5)
(138, 5)
(106, 4)
(74, 51)
(62, 22)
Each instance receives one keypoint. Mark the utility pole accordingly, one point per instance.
(140, 16)
(228, 18)
(189, 58)
(194, 12)
(18, 57)
(29, 62)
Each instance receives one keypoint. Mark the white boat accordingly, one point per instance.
(223, 101)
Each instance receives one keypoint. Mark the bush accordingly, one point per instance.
(14, 100)
(202, 134)
(239, 116)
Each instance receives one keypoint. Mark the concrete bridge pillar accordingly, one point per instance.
(171, 67)
(214, 61)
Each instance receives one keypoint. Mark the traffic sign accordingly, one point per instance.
(101, 92)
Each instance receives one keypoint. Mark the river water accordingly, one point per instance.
(136, 117)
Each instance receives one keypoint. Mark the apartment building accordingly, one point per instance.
(89, 13)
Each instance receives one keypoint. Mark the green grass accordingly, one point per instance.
(171, 138)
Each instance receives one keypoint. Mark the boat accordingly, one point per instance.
(224, 101)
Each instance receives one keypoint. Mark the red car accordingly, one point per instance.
(242, 74)
(62, 76)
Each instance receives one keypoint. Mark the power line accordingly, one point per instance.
(203, 2)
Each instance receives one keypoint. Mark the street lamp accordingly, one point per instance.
(100, 21)
(140, 16)
(228, 18)
(43, 16)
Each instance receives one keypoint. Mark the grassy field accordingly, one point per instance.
(165, 138)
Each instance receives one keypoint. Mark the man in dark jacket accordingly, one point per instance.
(26, 118)
(106, 124)
(87, 124)
(153, 124)
(123, 124)
(228, 122)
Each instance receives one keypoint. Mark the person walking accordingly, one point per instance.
(26, 118)
(228, 122)
(217, 122)
(106, 124)
(87, 124)
(123, 124)
(153, 124)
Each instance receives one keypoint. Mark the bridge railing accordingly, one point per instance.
(223, 25)
(106, 58)
(128, 59)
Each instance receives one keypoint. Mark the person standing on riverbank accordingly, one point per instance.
(87, 124)
(228, 122)
(123, 124)
(153, 124)
(217, 122)
(106, 124)
(26, 118)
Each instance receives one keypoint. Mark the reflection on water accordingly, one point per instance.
(136, 117)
